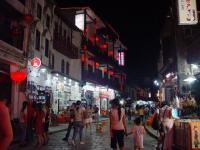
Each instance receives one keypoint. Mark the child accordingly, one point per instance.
(138, 132)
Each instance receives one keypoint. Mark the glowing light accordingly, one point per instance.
(194, 66)
(190, 79)
(43, 69)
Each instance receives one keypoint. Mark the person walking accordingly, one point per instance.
(71, 122)
(39, 124)
(6, 133)
(138, 134)
(23, 123)
(88, 117)
(46, 123)
(117, 125)
(78, 122)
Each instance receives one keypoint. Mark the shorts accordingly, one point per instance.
(88, 120)
(117, 138)
(46, 126)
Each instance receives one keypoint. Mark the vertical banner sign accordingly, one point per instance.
(79, 21)
(187, 12)
(121, 58)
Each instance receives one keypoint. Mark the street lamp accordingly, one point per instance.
(156, 83)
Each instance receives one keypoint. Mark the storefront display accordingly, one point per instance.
(187, 134)
(44, 85)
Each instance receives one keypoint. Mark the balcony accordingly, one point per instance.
(67, 49)
(96, 77)
(11, 28)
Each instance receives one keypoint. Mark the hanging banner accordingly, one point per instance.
(187, 12)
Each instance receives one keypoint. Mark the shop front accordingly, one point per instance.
(45, 85)
(98, 95)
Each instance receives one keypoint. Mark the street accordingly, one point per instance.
(94, 141)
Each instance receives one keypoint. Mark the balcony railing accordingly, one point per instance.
(65, 48)
(96, 77)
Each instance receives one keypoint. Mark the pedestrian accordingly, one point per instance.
(39, 124)
(88, 117)
(141, 113)
(46, 123)
(30, 120)
(96, 116)
(117, 125)
(23, 123)
(78, 122)
(6, 133)
(71, 122)
(138, 134)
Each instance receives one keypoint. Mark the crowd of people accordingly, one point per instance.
(35, 119)
(80, 116)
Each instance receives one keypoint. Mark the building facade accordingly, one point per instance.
(176, 65)
(14, 29)
(56, 43)
(102, 56)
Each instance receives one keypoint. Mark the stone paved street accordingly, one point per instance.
(96, 141)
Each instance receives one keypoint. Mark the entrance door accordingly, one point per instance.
(5, 85)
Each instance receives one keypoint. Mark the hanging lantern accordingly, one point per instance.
(110, 52)
(97, 64)
(28, 18)
(97, 39)
(104, 46)
(18, 76)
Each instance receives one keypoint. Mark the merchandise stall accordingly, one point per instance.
(187, 134)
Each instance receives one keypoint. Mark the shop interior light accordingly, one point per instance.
(65, 78)
(70, 82)
(43, 69)
(194, 66)
(57, 74)
(121, 102)
(190, 79)
(168, 75)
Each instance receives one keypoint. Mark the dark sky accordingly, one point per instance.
(138, 22)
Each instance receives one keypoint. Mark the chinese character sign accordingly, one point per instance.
(187, 12)
(195, 131)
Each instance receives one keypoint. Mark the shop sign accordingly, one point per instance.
(187, 12)
(121, 58)
(36, 62)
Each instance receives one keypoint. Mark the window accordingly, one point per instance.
(47, 48)
(39, 11)
(67, 68)
(48, 21)
(63, 66)
(52, 61)
(37, 40)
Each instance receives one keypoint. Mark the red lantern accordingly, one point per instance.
(28, 18)
(97, 39)
(104, 46)
(18, 76)
(97, 64)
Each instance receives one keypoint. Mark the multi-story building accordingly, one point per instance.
(102, 57)
(14, 27)
(55, 42)
(176, 67)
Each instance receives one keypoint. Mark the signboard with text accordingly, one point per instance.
(187, 12)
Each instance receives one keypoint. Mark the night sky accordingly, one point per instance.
(138, 23)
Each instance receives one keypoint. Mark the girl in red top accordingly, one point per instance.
(39, 124)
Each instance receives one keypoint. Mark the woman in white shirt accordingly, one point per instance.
(117, 125)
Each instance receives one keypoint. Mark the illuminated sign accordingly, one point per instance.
(79, 21)
(187, 12)
(36, 62)
(121, 58)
